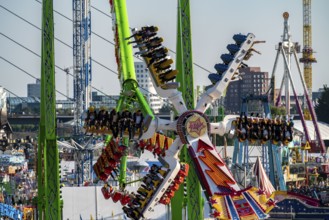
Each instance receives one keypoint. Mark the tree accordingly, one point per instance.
(277, 111)
(322, 107)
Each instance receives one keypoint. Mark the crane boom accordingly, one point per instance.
(307, 58)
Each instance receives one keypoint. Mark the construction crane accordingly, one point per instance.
(81, 59)
(82, 82)
(307, 58)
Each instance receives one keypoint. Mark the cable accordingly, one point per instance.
(100, 11)
(55, 39)
(60, 67)
(68, 46)
(101, 37)
(15, 95)
(169, 49)
(33, 25)
(70, 73)
(194, 63)
(19, 44)
(30, 75)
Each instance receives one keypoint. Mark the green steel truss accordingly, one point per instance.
(49, 202)
(184, 64)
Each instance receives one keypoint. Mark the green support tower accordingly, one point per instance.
(49, 201)
(130, 94)
(184, 64)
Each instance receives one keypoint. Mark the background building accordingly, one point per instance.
(254, 82)
(33, 89)
(147, 88)
(109, 102)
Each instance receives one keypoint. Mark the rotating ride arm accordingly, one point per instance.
(159, 63)
(227, 72)
(172, 173)
(310, 107)
(193, 128)
(124, 57)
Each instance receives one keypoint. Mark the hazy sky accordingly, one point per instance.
(214, 22)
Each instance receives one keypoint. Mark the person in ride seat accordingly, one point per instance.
(114, 122)
(138, 121)
(106, 121)
(242, 127)
(126, 122)
(91, 117)
(278, 132)
(101, 118)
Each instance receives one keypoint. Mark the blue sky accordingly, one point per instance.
(214, 22)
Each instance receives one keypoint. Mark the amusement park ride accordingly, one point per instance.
(287, 48)
(189, 152)
(192, 128)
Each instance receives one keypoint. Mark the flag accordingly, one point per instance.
(263, 182)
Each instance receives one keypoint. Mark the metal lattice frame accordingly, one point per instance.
(77, 64)
(184, 61)
(184, 65)
(49, 203)
(81, 59)
(308, 58)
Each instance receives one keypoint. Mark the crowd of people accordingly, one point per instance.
(313, 191)
(116, 122)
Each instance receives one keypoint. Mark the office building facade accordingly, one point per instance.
(147, 88)
(34, 89)
(253, 82)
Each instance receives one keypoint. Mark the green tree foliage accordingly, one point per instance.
(277, 111)
(322, 108)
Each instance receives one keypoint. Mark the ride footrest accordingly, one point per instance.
(108, 161)
(106, 130)
(123, 196)
(179, 179)
(158, 144)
